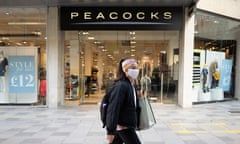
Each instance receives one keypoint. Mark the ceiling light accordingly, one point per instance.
(18, 43)
(132, 33)
(5, 38)
(91, 38)
(132, 42)
(37, 33)
(163, 52)
(101, 47)
(85, 33)
(24, 42)
(97, 42)
(26, 23)
(133, 38)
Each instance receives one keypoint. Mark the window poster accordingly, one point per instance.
(226, 72)
(21, 78)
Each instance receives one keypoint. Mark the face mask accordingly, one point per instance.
(133, 73)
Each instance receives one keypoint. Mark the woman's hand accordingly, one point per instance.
(110, 138)
(139, 93)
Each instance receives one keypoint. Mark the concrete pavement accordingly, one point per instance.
(214, 123)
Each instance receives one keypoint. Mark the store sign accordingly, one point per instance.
(21, 74)
(121, 18)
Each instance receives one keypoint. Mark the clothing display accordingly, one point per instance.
(3, 64)
(3, 69)
(145, 83)
(42, 90)
(205, 75)
(216, 78)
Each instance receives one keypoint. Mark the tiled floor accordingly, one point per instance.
(215, 123)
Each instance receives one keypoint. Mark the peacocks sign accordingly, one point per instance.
(121, 18)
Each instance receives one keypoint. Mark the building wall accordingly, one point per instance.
(229, 8)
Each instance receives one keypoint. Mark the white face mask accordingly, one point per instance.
(133, 73)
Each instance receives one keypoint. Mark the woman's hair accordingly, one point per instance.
(120, 73)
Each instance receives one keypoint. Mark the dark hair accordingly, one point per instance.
(120, 73)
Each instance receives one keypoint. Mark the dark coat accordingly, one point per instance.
(122, 109)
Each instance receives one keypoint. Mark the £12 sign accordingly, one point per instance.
(21, 77)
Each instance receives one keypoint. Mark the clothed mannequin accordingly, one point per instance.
(145, 84)
(213, 68)
(3, 69)
(216, 78)
(205, 75)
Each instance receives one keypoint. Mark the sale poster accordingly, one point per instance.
(226, 73)
(21, 77)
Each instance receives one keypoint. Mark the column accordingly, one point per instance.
(55, 60)
(237, 72)
(74, 57)
(185, 64)
(74, 67)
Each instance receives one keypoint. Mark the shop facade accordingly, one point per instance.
(66, 56)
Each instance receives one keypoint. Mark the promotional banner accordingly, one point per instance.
(226, 72)
(21, 74)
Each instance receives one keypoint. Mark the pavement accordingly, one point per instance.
(211, 123)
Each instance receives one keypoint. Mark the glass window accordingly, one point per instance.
(92, 58)
(23, 37)
(215, 46)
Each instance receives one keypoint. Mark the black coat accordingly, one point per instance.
(122, 109)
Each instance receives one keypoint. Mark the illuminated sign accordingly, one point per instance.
(121, 18)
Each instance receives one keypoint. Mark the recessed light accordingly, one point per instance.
(91, 38)
(26, 23)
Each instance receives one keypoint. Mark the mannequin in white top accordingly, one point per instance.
(3, 69)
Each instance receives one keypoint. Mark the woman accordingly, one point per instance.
(123, 107)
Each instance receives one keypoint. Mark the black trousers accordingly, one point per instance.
(126, 136)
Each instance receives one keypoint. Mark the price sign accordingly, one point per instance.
(226, 72)
(21, 78)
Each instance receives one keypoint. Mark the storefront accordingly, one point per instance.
(101, 37)
(78, 48)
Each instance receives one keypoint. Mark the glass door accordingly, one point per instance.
(92, 58)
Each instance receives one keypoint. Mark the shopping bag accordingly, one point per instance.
(146, 116)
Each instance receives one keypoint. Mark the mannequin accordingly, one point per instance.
(145, 84)
(216, 78)
(205, 75)
(213, 68)
(3, 69)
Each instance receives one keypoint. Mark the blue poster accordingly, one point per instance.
(21, 77)
(226, 72)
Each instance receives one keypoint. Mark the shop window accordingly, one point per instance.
(214, 57)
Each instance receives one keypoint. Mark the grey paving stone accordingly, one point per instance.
(201, 124)
(32, 141)
(60, 134)
(194, 142)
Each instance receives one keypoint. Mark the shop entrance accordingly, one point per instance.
(92, 57)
